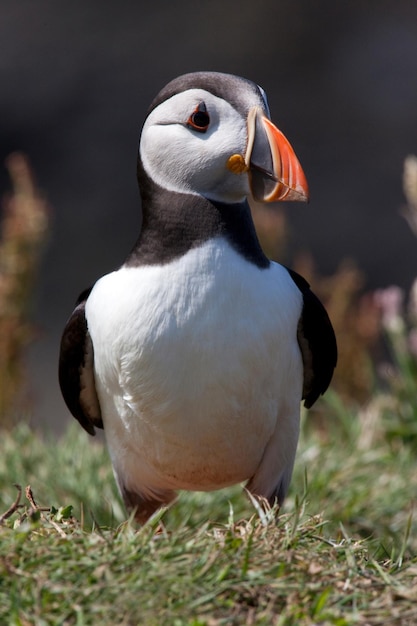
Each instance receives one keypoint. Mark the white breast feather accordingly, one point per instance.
(195, 361)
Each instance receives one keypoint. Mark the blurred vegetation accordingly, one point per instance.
(23, 230)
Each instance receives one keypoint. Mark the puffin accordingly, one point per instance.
(195, 355)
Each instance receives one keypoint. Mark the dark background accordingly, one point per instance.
(76, 79)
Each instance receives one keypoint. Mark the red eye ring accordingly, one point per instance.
(199, 120)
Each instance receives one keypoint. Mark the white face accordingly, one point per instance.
(183, 159)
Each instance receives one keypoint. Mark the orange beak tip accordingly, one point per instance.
(291, 183)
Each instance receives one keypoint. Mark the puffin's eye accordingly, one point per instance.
(199, 120)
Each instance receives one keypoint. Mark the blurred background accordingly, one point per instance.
(77, 78)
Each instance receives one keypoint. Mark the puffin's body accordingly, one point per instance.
(195, 354)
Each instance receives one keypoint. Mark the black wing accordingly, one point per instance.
(317, 343)
(76, 369)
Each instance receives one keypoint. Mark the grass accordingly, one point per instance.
(342, 552)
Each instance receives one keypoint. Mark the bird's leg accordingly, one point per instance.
(266, 504)
(144, 507)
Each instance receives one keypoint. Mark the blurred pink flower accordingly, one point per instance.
(390, 301)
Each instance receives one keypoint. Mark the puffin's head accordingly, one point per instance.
(210, 134)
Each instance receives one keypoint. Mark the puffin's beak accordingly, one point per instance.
(274, 171)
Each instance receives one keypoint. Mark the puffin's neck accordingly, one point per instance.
(173, 223)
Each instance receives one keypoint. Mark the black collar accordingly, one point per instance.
(173, 223)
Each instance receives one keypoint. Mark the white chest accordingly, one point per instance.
(194, 358)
